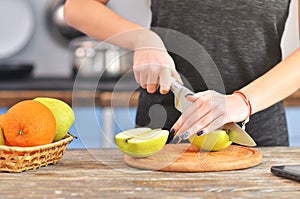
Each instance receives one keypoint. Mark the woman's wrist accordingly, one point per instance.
(247, 102)
(238, 108)
(145, 38)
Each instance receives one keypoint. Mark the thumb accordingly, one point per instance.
(176, 76)
(195, 96)
(191, 97)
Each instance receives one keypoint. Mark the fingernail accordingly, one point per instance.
(175, 140)
(185, 135)
(200, 133)
(172, 131)
(189, 94)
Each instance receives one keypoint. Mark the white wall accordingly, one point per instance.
(290, 40)
(54, 59)
(137, 11)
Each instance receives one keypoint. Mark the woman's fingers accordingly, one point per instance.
(154, 68)
(165, 81)
(184, 117)
(143, 79)
(192, 120)
(152, 78)
(176, 75)
(200, 125)
(202, 129)
(207, 113)
(194, 97)
(200, 101)
(196, 120)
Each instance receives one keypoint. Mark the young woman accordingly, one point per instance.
(241, 36)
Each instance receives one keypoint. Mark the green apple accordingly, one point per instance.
(2, 140)
(213, 141)
(141, 142)
(63, 114)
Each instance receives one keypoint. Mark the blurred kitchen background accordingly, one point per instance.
(32, 33)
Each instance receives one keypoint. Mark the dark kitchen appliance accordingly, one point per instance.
(15, 70)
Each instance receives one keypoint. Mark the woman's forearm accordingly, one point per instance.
(276, 84)
(95, 19)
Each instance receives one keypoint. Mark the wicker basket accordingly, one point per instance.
(18, 159)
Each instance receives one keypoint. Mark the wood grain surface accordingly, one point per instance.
(102, 173)
(78, 98)
(85, 98)
(183, 158)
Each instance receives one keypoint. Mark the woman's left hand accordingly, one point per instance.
(209, 111)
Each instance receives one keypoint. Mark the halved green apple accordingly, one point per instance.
(213, 141)
(141, 142)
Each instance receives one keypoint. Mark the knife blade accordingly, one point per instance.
(235, 132)
(238, 135)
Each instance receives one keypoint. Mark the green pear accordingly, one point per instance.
(141, 142)
(213, 141)
(63, 114)
(2, 139)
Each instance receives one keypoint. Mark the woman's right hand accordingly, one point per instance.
(154, 68)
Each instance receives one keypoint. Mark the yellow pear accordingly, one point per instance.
(63, 114)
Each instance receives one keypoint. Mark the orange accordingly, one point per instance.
(29, 123)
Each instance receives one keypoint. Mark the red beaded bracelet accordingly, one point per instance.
(247, 101)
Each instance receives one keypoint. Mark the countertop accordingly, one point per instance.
(47, 83)
(102, 173)
(79, 92)
(83, 92)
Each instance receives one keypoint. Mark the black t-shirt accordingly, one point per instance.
(220, 45)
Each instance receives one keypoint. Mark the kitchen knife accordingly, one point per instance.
(235, 132)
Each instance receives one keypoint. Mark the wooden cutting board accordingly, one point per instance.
(186, 158)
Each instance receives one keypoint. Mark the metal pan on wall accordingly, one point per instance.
(93, 58)
(56, 25)
(17, 25)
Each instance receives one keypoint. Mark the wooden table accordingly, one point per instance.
(123, 93)
(86, 98)
(78, 98)
(81, 93)
(101, 173)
